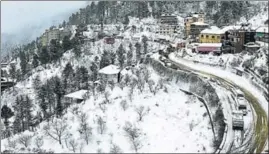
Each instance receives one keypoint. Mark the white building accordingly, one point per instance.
(168, 25)
(78, 96)
(110, 73)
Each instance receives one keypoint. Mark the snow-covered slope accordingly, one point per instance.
(173, 122)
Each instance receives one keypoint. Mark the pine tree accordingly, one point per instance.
(67, 45)
(12, 71)
(77, 51)
(105, 59)
(6, 113)
(55, 49)
(94, 69)
(145, 44)
(17, 124)
(126, 20)
(42, 100)
(68, 77)
(59, 91)
(130, 55)
(112, 57)
(138, 51)
(35, 62)
(23, 62)
(44, 56)
(19, 108)
(27, 105)
(121, 55)
(84, 77)
(37, 83)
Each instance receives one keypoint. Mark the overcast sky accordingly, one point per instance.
(16, 15)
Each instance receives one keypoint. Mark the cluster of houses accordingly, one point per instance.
(232, 39)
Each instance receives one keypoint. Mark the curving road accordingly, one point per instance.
(258, 134)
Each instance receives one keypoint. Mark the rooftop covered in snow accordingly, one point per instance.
(77, 95)
(227, 28)
(262, 29)
(199, 23)
(110, 69)
(212, 30)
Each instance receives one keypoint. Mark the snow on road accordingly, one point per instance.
(226, 75)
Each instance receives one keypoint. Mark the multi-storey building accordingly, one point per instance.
(168, 25)
(52, 34)
(196, 17)
(196, 29)
(211, 35)
(64, 32)
(238, 36)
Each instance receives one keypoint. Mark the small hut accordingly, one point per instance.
(77, 96)
(110, 73)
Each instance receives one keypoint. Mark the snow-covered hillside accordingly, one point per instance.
(172, 122)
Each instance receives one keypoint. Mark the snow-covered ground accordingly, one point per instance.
(174, 122)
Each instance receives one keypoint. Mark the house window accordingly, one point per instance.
(213, 37)
(206, 36)
(218, 37)
(202, 36)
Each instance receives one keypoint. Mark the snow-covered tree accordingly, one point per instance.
(58, 89)
(39, 142)
(130, 55)
(115, 149)
(121, 56)
(25, 140)
(84, 129)
(138, 51)
(101, 125)
(73, 145)
(145, 44)
(35, 61)
(12, 72)
(141, 112)
(57, 130)
(134, 136)
(37, 83)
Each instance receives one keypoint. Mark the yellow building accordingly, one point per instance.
(211, 35)
(196, 17)
(44, 38)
